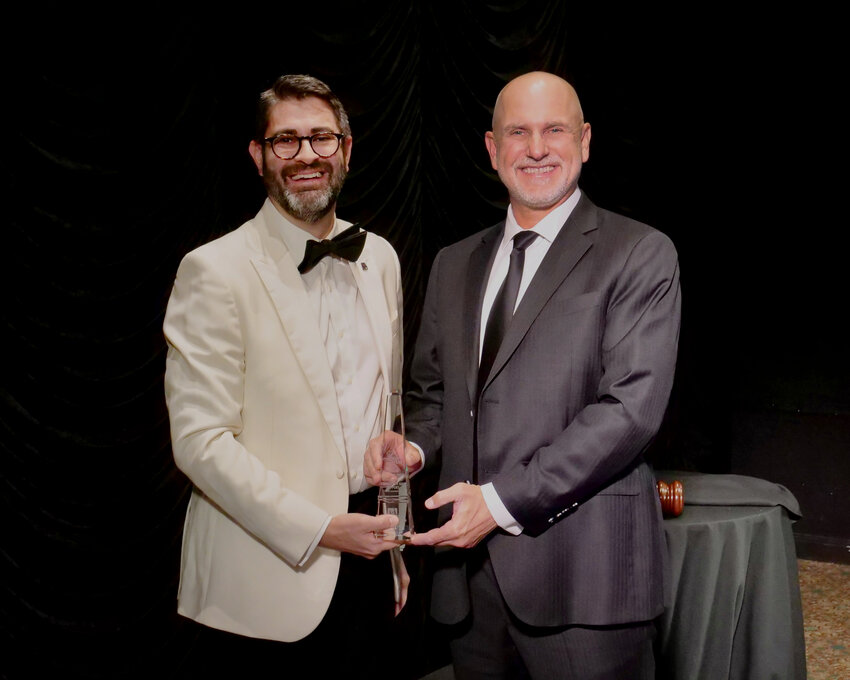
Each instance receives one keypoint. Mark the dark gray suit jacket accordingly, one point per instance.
(575, 396)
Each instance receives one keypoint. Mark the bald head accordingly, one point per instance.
(534, 86)
(538, 143)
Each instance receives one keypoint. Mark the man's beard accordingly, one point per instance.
(528, 197)
(307, 206)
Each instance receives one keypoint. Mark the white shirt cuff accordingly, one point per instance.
(315, 542)
(421, 457)
(500, 513)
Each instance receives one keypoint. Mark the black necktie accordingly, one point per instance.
(503, 306)
(347, 244)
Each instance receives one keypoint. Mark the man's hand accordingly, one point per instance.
(373, 460)
(471, 519)
(359, 534)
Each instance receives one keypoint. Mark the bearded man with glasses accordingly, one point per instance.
(284, 339)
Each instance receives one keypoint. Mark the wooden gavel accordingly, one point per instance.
(672, 497)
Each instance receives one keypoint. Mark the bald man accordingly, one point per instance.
(541, 373)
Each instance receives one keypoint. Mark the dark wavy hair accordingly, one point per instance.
(298, 87)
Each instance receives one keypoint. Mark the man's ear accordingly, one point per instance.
(585, 142)
(347, 143)
(490, 143)
(255, 148)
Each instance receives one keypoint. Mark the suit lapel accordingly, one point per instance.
(566, 250)
(279, 274)
(371, 289)
(480, 263)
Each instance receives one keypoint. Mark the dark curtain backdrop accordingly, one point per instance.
(125, 146)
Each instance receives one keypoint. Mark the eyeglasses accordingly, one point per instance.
(286, 146)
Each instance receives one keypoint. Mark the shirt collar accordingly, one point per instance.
(549, 227)
(293, 236)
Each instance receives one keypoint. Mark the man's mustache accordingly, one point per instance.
(314, 166)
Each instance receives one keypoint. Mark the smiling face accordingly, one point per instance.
(305, 188)
(538, 144)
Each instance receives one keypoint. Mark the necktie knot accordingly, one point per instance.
(347, 244)
(523, 239)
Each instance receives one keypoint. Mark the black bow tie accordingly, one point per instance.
(347, 244)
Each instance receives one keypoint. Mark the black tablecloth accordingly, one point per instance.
(704, 489)
(734, 608)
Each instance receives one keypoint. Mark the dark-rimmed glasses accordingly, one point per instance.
(286, 146)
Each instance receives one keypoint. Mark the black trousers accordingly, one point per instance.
(493, 644)
(355, 639)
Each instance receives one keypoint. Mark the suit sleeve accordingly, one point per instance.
(204, 385)
(638, 355)
(424, 401)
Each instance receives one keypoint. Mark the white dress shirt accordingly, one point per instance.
(351, 349)
(547, 229)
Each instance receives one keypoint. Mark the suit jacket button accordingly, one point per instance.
(340, 474)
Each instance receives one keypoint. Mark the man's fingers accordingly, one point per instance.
(388, 478)
(445, 496)
(439, 499)
(432, 537)
(372, 463)
(383, 527)
(387, 521)
(412, 457)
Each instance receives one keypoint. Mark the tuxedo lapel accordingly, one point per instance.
(372, 291)
(278, 272)
(480, 263)
(566, 250)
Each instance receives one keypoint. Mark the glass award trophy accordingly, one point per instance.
(394, 489)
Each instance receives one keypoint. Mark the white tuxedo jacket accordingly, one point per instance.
(255, 425)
